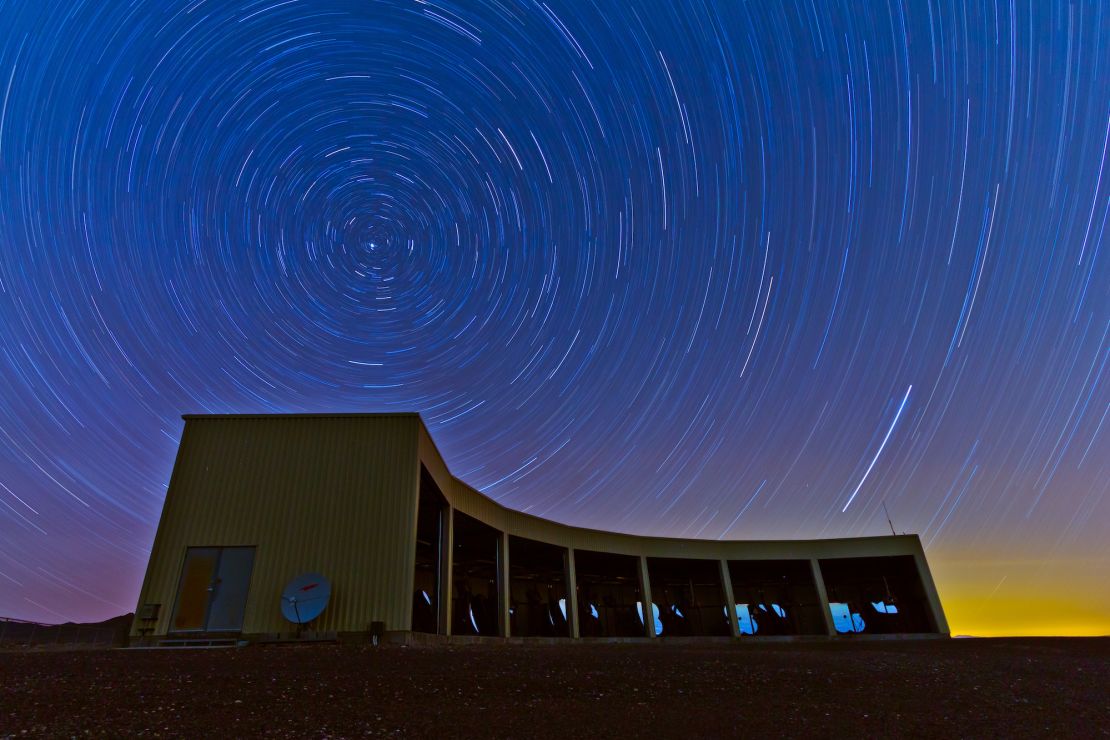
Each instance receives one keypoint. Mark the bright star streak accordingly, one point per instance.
(881, 446)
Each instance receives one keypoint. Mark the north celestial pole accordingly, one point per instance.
(702, 269)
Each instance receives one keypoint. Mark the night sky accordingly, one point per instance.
(706, 269)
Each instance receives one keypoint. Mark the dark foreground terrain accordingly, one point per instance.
(979, 688)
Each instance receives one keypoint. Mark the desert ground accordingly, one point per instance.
(1034, 687)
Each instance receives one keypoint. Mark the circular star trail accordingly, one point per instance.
(697, 269)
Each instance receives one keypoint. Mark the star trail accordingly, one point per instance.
(702, 269)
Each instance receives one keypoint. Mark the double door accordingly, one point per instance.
(212, 594)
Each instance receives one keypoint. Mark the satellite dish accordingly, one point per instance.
(305, 597)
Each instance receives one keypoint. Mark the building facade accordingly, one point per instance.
(367, 501)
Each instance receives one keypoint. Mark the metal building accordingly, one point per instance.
(367, 501)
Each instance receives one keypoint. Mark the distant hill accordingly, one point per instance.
(16, 633)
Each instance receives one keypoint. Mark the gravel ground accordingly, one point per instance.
(967, 688)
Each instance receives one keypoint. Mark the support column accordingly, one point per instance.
(822, 597)
(936, 610)
(503, 591)
(446, 567)
(645, 595)
(572, 593)
(730, 599)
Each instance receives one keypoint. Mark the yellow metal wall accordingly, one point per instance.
(334, 494)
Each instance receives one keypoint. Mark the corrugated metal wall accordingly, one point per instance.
(332, 494)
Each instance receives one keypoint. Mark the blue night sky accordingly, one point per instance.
(710, 269)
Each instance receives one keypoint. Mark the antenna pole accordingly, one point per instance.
(888, 519)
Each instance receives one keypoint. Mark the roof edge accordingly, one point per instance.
(317, 415)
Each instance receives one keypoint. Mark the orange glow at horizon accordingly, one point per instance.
(1012, 598)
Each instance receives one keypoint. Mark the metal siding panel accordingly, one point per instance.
(335, 495)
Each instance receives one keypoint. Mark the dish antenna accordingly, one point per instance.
(305, 597)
